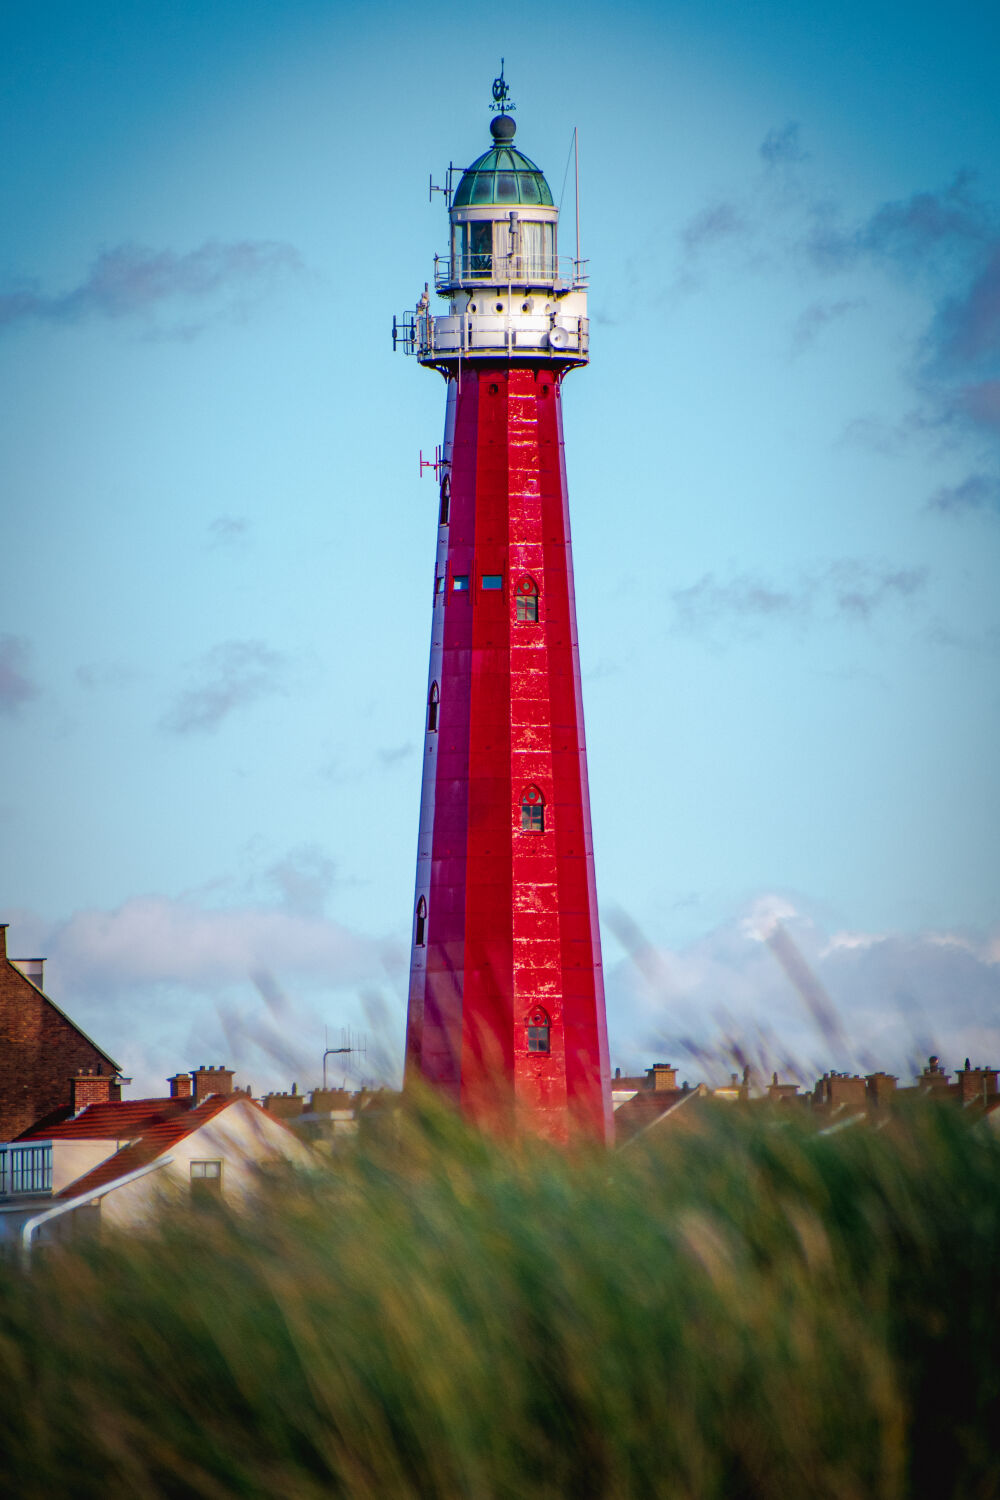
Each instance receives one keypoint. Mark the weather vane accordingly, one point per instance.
(501, 94)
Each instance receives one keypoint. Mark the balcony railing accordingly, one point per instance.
(25, 1169)
(509, 270)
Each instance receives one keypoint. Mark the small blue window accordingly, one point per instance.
(439, 586)
(460, 583)
(492, 580)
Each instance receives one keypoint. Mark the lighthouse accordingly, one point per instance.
(506, 1013)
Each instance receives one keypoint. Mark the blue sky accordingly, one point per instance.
(785, 489)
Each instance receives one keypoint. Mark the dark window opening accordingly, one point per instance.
(206, 1179)
(460, 583)
(492, 580)
(432, 708)
(527, 601)
(421, 922)
(445, 501)
(481, 247)
(532, 811)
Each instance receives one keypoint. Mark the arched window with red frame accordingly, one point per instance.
(539, 1029)
(527, 600)
(532, 810)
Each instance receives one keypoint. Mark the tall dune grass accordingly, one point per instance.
(746, 1310)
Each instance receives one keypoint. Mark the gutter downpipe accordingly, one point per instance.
(33, 1225)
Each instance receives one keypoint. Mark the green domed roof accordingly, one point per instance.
(502, 175)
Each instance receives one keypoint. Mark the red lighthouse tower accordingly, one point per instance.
(506, 1001)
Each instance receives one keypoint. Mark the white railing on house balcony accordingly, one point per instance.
(25, 1169)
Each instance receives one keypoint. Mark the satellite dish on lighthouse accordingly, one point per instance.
(558, 338)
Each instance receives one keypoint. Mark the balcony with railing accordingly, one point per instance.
(560, 272)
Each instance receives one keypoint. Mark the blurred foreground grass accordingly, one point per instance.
(748, 1310)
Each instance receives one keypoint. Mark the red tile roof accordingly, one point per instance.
(163, 1131)
(120, 1120)
(157, 1138)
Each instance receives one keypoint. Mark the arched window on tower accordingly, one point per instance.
(432, 707)
(539, 1030)
(445, 500)
(532, 810)
(421, 936)
(527, 599)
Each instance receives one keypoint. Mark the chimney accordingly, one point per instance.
(90, 1087)
(976, 1085)
(880, 1088)
(31, 968)
(213, 1080)
(662, 1076)
(180, 1086)
(3, 939)
(284, 1106)
(781, 1093)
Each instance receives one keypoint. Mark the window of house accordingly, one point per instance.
(432, 707)
(532, 811)
(492, 580)
(538, 1030)
(527, 600)
(439, 585)
(206, 1179)
(25, 1169)
(445, 501)
(421, 922)
(460, 583)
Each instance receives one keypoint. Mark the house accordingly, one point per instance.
(837, 1098)
(49, 1068)
(120, 1163)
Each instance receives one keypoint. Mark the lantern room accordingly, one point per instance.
(503, 220)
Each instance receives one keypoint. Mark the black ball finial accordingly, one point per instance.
(502, 129)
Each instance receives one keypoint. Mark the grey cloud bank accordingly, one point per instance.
(132, 280)
(231, 676)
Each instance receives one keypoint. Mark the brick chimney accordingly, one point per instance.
(285, 1106)
(662, 1076)
(840, 1091)
(91, 1088)
(214, 1080)
(781, 1093)
(881, 1087)
(976, 1084)
(180, 1086)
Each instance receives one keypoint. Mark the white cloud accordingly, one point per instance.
(771, 987)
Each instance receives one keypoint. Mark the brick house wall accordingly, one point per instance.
(41, 1052)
